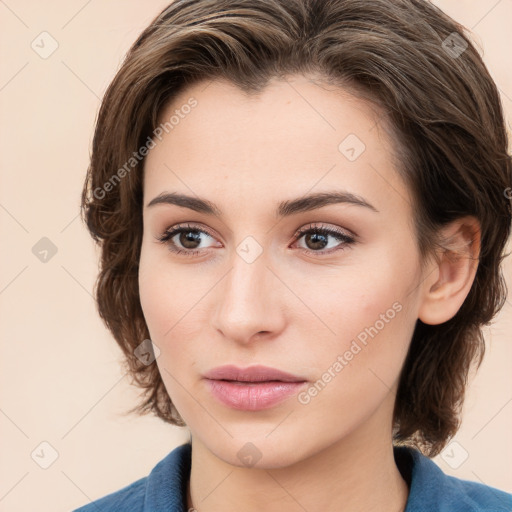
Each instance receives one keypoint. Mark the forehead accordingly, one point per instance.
(294, 136)
(291, 108)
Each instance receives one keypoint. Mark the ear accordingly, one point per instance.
(449, 280)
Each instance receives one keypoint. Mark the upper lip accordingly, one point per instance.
(257, 373)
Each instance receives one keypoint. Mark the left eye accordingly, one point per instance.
(316, 239)
(186, 239)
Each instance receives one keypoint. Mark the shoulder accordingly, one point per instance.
(481, 497)
(162, 489)
(130, 498)
(431, 489)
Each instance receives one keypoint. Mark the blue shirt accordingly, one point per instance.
(430, 490)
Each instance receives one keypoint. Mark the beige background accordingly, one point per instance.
(61, 381)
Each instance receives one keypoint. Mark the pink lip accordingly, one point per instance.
(257, 373)
(253, 388)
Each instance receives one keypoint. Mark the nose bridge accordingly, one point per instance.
(246, 302)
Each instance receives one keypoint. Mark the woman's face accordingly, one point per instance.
(335, 309)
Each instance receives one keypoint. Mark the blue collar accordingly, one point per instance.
(430, 490)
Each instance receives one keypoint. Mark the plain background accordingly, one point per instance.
(61, 378)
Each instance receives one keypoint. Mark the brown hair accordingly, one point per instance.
(440, 101)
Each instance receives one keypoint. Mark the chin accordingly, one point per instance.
(259, 450)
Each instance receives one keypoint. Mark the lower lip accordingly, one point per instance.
(253, 396)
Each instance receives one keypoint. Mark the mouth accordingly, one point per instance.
(250, 374)
(253, 388)
(249, 382)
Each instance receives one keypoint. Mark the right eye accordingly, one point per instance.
(184, 239)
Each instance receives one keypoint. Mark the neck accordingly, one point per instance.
(356, 473)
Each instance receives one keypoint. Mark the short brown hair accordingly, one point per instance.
(406, 56)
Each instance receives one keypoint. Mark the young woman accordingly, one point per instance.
(302, 210)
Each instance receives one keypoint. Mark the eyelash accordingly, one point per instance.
(347, 240)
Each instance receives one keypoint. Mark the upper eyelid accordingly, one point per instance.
(345, 237)
(326, 227)
(311, 226)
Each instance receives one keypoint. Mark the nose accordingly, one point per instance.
(248, 302)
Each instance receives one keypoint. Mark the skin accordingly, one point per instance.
(288, 309)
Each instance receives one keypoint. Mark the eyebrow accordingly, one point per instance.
(284, 209)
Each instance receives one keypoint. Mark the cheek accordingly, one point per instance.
(174, 312)
(372, 340)
(167, 304)
(368, 316)
(166, 293)
(356, 372)
(354, 298)
(154, 297)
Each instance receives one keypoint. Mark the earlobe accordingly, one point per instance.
(451, 277)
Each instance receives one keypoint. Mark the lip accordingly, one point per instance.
(252, 389)
(256, 373)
